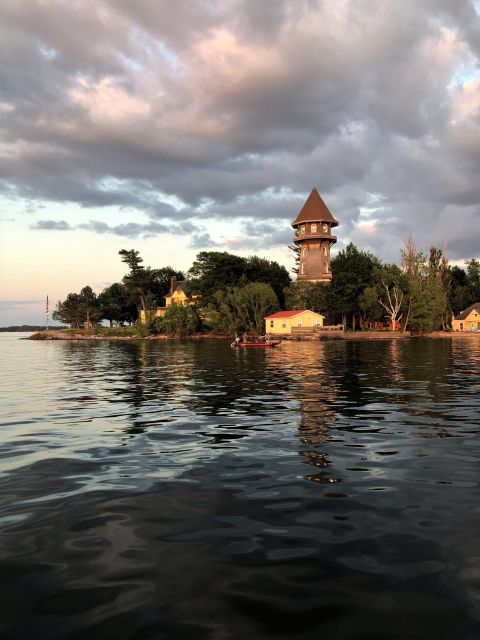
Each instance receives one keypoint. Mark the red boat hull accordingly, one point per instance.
(271, 343)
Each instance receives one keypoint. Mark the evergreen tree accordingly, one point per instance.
(138, 279)
(89, 307)
(69, 311)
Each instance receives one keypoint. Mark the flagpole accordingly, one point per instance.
(46, 311)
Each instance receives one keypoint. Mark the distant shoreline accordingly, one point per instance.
(334, 335)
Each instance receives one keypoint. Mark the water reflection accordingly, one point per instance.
(182, 490)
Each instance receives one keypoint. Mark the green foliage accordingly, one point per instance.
(117, 305)
(141, 330)
(68, 311)
(427, 289)
(371, 310)
(78, 308)
(269, 272)
(137, 281)
(213, 271)
(242, 308)
(159, 283)
(89, 307)
(306, 295)
(180, 321)
(427, 304)
(352, 273)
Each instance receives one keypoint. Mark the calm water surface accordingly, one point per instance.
(187, 490)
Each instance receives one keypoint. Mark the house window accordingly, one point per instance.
(461, 326)
(271, 324)
(302, 230)
(284, 325)
(325, 228)
(314, 228)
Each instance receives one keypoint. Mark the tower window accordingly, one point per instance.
(314, 228)
(302, 230)
(325, 267)
(302, 270)
(325, 228)
(324, 251)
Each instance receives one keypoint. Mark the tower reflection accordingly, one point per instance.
(312, 382)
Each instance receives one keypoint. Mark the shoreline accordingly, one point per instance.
(334, 335)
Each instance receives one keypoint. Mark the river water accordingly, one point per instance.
(187, 490)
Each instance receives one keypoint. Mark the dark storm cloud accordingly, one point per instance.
(236, 108)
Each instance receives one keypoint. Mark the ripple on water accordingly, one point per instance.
(190, 490)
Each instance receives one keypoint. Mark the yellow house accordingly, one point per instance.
(468, 320)
(176, 296)
(283, 322)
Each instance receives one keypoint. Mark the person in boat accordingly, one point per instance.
(266, 337)
(245, 337)
(237, 340)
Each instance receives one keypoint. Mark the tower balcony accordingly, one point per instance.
(314, 236)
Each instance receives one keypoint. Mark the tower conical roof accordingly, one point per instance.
(314, 210)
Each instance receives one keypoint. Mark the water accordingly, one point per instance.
(187, 490)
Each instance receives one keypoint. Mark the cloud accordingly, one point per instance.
(203, 241)
(235, 109)
(51, 225)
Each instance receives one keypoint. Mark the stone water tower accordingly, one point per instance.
(313, 237)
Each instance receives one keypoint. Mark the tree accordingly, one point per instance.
(69, 311)
(242, 308)
(459, 298)
(159, 284)
(213, 271)
(270, 272)
(78, 308)
(180, 320)
(426, 295)
(369, 305)
(352, 273)
(138, 279)
(473, 280)
(89, 307)
(117, 305)
(393, 304)
(303, 294)
(296, 253)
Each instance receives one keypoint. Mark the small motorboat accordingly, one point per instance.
(265, 343)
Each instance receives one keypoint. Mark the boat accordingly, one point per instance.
(267, 343)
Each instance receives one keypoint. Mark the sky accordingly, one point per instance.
(177, 127)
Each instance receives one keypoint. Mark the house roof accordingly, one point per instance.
(463, 315)
(291, 314)
(314, 210)
(180, 286)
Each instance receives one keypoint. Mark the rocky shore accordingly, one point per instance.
(334, 335)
